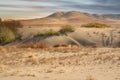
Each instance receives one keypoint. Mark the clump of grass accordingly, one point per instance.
(6, 35)
(49, 70)
(2, 68)
(95, 25)
(48, 33)
(33, 58)
(61, 71)
(90, 78)
(66, 29)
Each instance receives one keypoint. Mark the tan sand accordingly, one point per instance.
(60, 64)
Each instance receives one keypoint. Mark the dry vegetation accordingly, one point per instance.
(69, 61)
(71, 56)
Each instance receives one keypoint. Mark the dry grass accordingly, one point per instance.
(32, 58)
(60, 56)
(49, 70)
(90, 78)
(2, 68)
(33, 44)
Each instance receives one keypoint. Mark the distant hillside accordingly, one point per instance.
(109, 16)
(71, 14)
(72, 18)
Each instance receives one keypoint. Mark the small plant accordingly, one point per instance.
(95, 25)
(67, 28)
(49, 71)
(12, 25)
(2, 68)
(90, 78)
(48, 33)
(51, 32)
(6, 35)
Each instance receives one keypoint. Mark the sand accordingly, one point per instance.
(59, 64)
(102, 37)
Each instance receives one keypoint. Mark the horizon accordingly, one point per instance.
(30, 9)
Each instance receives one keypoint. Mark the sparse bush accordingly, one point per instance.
(6, 35)
(95, 25)
(9, 31)
(19, 37)
(0, 20)
(66, 28)
(12, 25)
(48, 33)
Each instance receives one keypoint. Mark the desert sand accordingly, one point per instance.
(59, 63)
(104, 37)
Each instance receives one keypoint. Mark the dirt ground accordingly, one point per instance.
(59, 64)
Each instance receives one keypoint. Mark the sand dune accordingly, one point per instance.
(105, 37)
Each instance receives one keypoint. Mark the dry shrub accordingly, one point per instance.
(49, 70)
(2, 68)
(90, 78)
(95, 25)
(61, 71)
(33, 44)
(62, 46)
(32, 58)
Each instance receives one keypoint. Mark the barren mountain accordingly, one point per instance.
(72, 18)
(108, 16)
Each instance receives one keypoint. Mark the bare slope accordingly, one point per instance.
(72, 18)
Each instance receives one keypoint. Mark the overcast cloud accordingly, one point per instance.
(40, 8)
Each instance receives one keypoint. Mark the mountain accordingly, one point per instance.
(71, 14)
(108, 16)
(72, 18)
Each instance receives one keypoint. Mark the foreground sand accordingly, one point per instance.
(60, 64)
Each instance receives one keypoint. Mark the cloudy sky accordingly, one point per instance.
(40, 8)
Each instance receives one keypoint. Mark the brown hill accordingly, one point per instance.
(71, 17)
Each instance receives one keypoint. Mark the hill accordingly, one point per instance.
(73, 18)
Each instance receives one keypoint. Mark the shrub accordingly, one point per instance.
(12, 25)
(0, 20)
(66, 28)
(6, 35)
(95, 25)
(48, 33)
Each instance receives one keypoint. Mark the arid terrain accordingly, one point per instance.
(74, 18)
(59, 63)
(104, 37)
(61, 54)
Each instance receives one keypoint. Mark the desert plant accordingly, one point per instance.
(0, 20)
(95, 25)
(6, 35)
(51, 32)
(48, 33)
(107, 40)
(12, 25)
(66, 28)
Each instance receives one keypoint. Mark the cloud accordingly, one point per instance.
(95, 5)
(48, 6)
